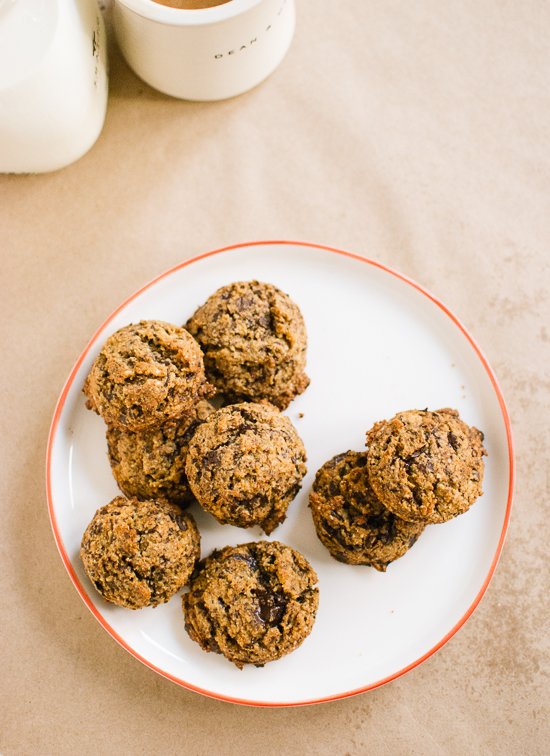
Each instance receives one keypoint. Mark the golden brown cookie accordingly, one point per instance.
(146, 375)
(245, 465)
(252, 603)
(350, 520)
(254, 341)
(426, 465)
(139, 553)
(150, 464)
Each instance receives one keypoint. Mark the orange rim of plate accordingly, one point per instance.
(82, 592)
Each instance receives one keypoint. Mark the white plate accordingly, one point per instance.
(378, 343)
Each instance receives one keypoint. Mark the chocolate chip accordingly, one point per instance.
(243, 303)
(334, 488)
(271, 606)
(425, 467)
(248, 559)
(211, 458)
(453, 440)
(410, 459)
(182, 524)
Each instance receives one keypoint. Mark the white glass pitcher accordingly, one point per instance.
(53, 82)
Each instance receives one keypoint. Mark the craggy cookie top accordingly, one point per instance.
(350, 520)
(145, 375)
(139, 553)
(254, 342)
(426, 465)
(150, 464)
(245, 464)
(252, 603)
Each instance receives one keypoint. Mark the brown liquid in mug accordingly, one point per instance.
(191, 4)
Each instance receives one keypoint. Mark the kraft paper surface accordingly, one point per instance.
(417, 134)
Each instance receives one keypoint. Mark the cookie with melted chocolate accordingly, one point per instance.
(254, 341)
(426, 466)
(145, 375)
(150, 464)
(139, 553)
(252, 603)
(351, 521)
(245, 465)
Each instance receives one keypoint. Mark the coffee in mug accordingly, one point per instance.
(191, 4)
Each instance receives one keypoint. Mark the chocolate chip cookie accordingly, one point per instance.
(424, 465)
(139, 554)
(150, 464)
(351, 521)
(254, 341)
(252, 603)
(245, 464)
(146, 375)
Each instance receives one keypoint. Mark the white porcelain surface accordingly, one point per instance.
(377, 345)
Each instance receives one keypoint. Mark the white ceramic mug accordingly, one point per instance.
(207, 54)
(53, 82)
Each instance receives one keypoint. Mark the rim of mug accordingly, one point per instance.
(165, 14)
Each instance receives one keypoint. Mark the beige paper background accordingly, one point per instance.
(415, 133)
